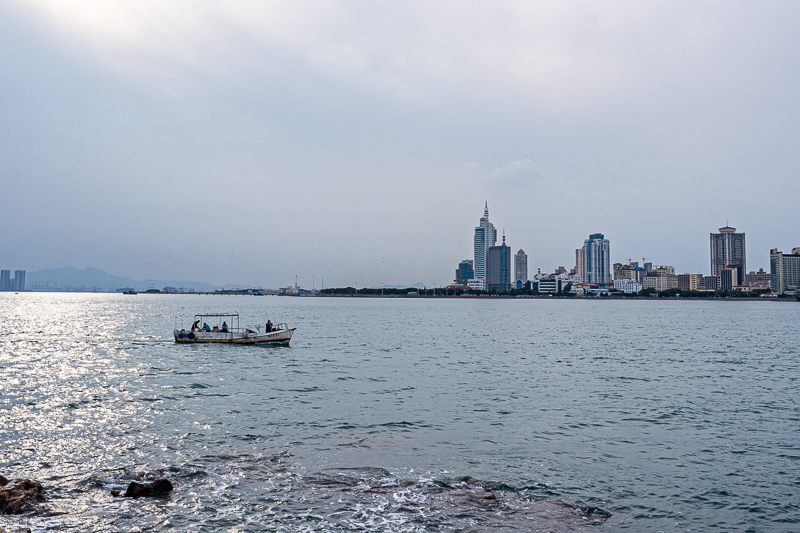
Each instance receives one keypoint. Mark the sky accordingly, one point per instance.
(356, 142)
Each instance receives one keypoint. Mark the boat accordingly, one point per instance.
(224, 328)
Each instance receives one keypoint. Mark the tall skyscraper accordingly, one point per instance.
(19, 280)
(580, 265)
(485, 237)
(520, 268)
(728, 251)
(784, 270)
(5, 280)
(597, 259)
(498, 267)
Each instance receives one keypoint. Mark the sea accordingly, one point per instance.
(404, 414)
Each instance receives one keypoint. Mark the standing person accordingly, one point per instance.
(195, 326)
(268, 326)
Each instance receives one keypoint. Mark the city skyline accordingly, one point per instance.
(594, 259)
(251, 143)
(599, 255)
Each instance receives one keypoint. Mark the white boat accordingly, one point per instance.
(221, 331)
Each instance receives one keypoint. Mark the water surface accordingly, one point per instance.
(405, 414)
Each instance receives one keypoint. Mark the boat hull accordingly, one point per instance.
(282, 337)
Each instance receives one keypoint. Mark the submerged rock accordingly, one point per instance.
(159, 487)
(20, 496)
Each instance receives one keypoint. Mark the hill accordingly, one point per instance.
(69, 278)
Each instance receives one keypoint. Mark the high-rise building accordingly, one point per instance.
(728, 278)
(5, 280)
(465, 272)
(580, 271)
(485, 237)
(728, 251)
(498, 267)
(520, 268)
(784, 270)
(19, 280)
(597, 259)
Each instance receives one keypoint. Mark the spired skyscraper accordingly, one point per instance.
(597, 259)
(727, 251)
(485, 238)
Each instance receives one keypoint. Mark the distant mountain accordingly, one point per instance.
(93, 278)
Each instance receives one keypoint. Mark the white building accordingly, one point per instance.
(485, 237)
(520, 268)
(476, 284)
(628, 286)
(597, 259)
(784, 270)
(579, 265)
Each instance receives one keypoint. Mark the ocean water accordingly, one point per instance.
(405, 415)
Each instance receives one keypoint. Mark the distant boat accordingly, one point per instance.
(222, 332)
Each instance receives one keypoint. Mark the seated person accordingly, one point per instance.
(224, 327)
(206, 327)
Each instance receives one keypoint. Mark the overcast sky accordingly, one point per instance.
(249, 142)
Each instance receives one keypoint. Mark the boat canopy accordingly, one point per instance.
(219, 318)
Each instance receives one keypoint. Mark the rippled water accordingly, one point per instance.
(405, 415)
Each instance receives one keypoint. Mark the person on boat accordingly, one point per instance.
(195, 326)
(224, 328)
(268, 326)
(206, 327)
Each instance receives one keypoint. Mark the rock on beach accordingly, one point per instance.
(159, 487)
(20, 496)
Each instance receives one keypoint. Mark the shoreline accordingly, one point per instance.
(438, 296)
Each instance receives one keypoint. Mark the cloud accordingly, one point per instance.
(549, 54)
(517, 176)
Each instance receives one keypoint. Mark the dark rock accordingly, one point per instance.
(20, 496)
(3, 483)
(155, 488)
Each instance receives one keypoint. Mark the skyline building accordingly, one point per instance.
(498, 267)
(580, 267)
(465, 272)
(485, 237)
(7, 283)
(728, 251)
(690, 282)
(19, 280)
(758, 279)
(784, 270)
(520, 268)
(597, 259)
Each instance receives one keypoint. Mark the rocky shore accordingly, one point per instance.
(23, 496)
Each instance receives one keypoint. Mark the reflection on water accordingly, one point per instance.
(405, 415)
